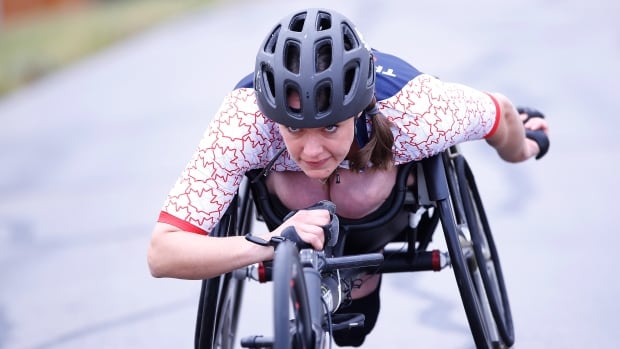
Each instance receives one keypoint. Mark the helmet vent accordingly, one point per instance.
(350, 78)
(323, 21)
(292, 56)
(297, 23)
(323, 97)
(371, 71)
(350, 39)
(291, 92)
(270, 45)
(323, 55)
(268, 82)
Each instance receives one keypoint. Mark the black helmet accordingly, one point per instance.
(318, 54)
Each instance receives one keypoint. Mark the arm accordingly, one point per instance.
(431, 115)
(237, 140)
(185, 255)
(509, 138)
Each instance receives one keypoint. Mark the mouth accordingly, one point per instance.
(315, 165)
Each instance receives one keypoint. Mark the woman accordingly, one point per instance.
(330, 119)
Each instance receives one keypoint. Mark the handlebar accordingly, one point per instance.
(353, 261)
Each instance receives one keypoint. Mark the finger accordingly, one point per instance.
(317, 217)
(313, 235)
(537, 124)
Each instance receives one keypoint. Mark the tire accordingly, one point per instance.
(474, 259)
(220, 297)
(486, 254)
(459, 258)
(292, 318)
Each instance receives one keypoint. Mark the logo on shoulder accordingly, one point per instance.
(385, 71)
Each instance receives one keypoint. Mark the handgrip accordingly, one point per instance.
(353, 261)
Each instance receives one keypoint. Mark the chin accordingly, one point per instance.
(318, 173)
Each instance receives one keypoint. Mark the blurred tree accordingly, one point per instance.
(13, 9)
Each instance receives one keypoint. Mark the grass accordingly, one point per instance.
(32, 47)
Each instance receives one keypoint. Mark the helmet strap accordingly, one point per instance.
(361, 130)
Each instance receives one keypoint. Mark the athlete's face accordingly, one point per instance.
(318, 151)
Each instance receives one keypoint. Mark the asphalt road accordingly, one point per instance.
(88, 155)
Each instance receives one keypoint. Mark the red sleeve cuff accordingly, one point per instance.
(498, 113)
(165, 217)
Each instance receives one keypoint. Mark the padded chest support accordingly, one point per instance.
(367, 234)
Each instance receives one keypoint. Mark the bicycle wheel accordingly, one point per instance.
(292, 318)
(487, 258)
(220, 297)
(462, 257)
(459, 218)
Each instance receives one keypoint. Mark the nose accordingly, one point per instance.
(313, 146)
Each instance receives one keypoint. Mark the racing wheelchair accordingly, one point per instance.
(443, 197)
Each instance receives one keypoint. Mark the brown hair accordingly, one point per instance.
(378, 150)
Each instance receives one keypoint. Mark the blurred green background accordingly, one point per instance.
(40, 36)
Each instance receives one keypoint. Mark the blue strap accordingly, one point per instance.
(361, 131)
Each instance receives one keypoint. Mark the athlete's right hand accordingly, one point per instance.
(308, 225)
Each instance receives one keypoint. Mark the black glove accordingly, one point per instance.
(538, 136)
(330, 230)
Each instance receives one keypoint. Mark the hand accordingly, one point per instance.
(536, 130)
(308, 225)
(533, 119)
